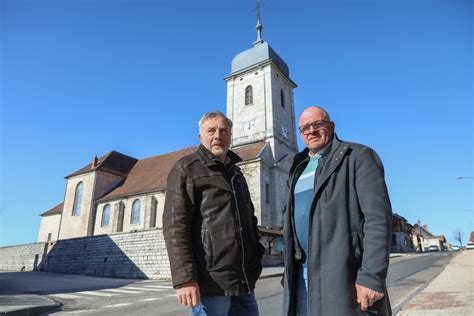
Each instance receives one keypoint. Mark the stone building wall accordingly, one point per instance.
(77, 225)
(251, 172)
(249, 120)
(151, 213)
(49, 225)
(135, 255)
(22, 257)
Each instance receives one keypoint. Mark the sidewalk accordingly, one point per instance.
(451, 293)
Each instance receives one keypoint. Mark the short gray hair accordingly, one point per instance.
(325, 113)
(211, 115)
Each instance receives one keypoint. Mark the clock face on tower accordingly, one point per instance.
(249, 127)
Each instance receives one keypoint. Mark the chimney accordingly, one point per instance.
(94, 162)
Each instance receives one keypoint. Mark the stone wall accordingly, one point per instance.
(136, 255)
(22, 257)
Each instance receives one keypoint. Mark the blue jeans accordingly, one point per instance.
(302, 292)
(236, 305)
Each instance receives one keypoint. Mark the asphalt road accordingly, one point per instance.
(82, 295)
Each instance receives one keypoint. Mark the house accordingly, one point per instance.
(402, 235)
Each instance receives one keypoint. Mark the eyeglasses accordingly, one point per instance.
(306, 129)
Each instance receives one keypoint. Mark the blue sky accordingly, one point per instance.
(81, 78)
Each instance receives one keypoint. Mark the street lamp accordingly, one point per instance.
(459, 178)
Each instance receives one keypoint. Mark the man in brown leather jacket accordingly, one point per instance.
(209, 227)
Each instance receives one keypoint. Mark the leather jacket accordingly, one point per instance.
(209, 225)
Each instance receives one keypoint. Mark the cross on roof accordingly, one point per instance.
(258, 6)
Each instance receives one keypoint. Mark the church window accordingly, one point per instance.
(282, 98)
(105, 216)
(267, 193)
(248, 95)
(76, 210)
(154, 205)
(135, 219)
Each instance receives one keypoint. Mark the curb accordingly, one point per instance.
(32, 310)
(274, 275)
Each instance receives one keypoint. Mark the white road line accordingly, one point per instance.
(118, 305)
(150, 299)
(96, 293)
(160, 286)
(68, 296)
(145, 289)
(122, 291)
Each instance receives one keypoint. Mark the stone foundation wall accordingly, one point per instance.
(134, 255)
(22, 257)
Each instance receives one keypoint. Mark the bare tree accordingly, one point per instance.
(458, 236)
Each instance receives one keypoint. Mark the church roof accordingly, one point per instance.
(112, 162)
(150, 174)
(54, 211)
(258, 54)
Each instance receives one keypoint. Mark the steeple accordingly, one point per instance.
(259, 26)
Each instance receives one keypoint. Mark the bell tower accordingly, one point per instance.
(260, 103)
(260, 99)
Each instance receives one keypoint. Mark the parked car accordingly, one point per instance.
(470, 245)
(455, 248)
(433, 248)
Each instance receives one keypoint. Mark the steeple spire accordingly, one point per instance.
(259, 26)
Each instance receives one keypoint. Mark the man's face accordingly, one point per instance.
(215, 136)
(315, 130)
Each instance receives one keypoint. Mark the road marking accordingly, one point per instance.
(117, 305)
(67, 296)
(122, 291)
(160, 286)
(143, 288)
(95, 293)
(150, 299)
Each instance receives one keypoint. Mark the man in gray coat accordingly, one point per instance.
(336, 226)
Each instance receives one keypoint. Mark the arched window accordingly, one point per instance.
(76, 210)
(105, 216)
(282, 98)
(135, 212)
(154, 205)
(248, 95)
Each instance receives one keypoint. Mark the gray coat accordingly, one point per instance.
(348, 235)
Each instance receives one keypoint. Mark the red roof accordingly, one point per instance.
(146, 175)
(58, 209)
(112, 162)
(150, 174)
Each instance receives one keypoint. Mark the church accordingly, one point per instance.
(116, 193)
